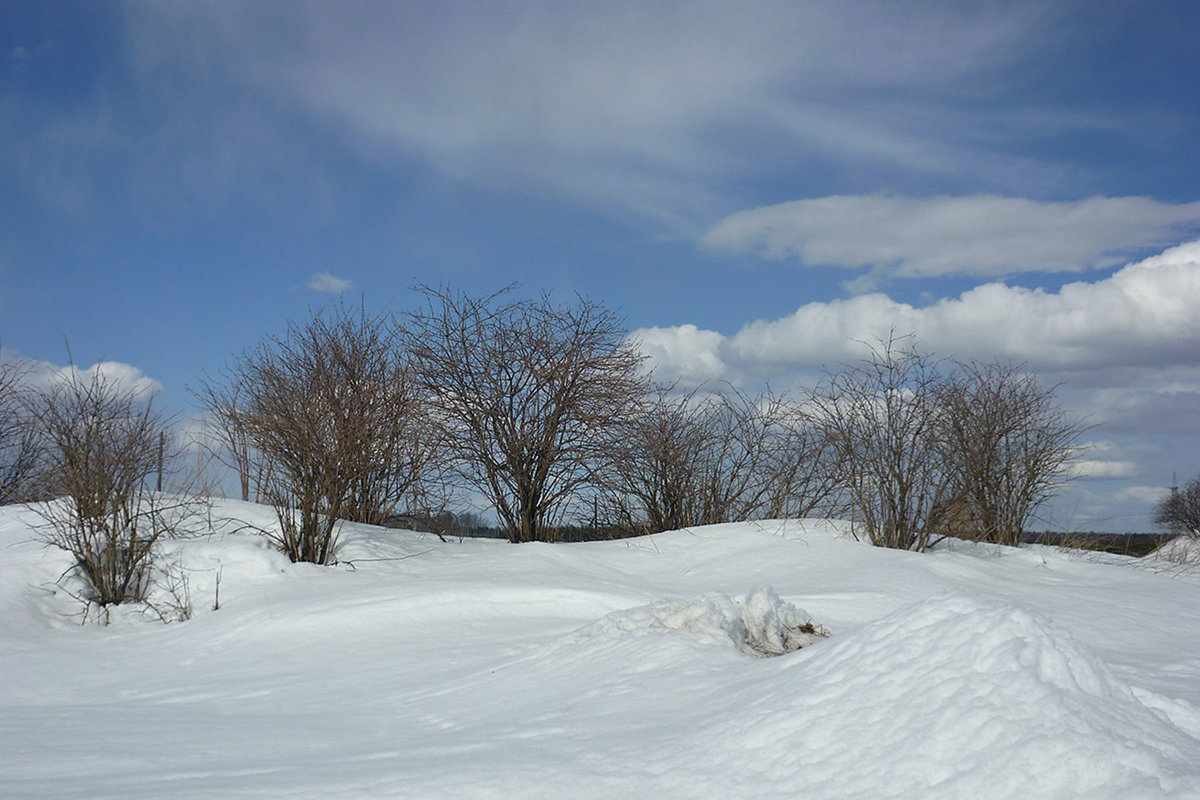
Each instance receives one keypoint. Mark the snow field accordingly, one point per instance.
(478, 669)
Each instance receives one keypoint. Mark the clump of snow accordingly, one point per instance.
(759, 624)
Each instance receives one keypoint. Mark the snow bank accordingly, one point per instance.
(956, 697)
(478, 669)
(759, 624)
(1183, 551)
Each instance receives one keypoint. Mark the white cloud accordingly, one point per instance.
(1147, 405)
(648, 108)
(980, 235)
(1145, 315)
(685, 350)
(324, 282)
(120, 376)
(1149, 495)
(1097, 469)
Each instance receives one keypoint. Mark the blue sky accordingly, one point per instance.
(757, 186)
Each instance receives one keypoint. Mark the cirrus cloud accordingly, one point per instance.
(650, 110)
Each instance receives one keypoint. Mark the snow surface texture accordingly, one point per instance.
(478, 669)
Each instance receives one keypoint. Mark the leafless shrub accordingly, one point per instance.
(227, 438)
(705, 457)
(1180, 510)
(20, 449)
(883, 419)
(172, 595)
(928, 449)
(654, 485)
(803, 469)
(329, 412)
(1006, 443)
(741, 432)
(527, 397)
(103, 444)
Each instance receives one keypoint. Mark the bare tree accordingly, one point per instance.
(528, 397)
(741, 431)
(706, 457)
(654, 485)
(1180, 510)
(102, 448)
(331, 413)
(20, 451)
(1006, 443)
(803, 468)
(227, 438)
(883, 419)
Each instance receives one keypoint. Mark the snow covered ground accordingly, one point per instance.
(479, 669)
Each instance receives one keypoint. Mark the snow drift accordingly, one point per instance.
(958, 696)
(422, 669)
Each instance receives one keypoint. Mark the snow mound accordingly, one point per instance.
(1181, 551)
(759, 624)
(958, 697)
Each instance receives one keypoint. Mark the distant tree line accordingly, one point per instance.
(544, 411)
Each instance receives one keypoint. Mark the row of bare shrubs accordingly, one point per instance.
(546, 412)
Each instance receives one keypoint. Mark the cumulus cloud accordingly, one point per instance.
(1128, 347)
(120, 376)
(684, 350)
(979, 235)
(324, 282)
(1145, 315)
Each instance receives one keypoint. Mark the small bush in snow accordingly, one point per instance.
(103, 444)
(529, 397)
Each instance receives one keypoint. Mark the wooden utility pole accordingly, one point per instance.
(162, 444)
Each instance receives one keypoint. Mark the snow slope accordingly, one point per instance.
(479, 669)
